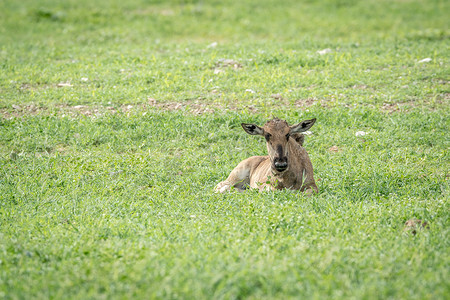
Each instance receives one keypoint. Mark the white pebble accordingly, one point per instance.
(324, 51)
(360, 133)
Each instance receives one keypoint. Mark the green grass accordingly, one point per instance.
(106, 185)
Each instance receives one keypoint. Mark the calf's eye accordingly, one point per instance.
(267, 136)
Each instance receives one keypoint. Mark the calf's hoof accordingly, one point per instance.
(222, 187)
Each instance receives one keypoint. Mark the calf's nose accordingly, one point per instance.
(281, 165)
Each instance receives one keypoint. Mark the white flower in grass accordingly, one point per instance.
(250, 91)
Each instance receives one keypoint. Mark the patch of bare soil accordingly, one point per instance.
(41, 86)
(430, 103)
(310, 102)
(20, 110)
(223, 64)
(196, 107)
(394, 107)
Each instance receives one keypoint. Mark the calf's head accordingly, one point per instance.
(277, 134)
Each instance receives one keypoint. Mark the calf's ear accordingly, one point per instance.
(302, 126)
(252, 129)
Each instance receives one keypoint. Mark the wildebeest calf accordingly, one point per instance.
(286, 167)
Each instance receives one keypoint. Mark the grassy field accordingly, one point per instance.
(117, 119)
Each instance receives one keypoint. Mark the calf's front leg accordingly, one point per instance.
(240, 176)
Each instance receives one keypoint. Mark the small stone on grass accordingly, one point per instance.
(360, 133)
(324, 51)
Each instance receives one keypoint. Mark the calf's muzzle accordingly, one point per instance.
(280, 164)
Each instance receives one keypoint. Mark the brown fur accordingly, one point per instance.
(284, 145)
(299, 138)
(414, 225)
